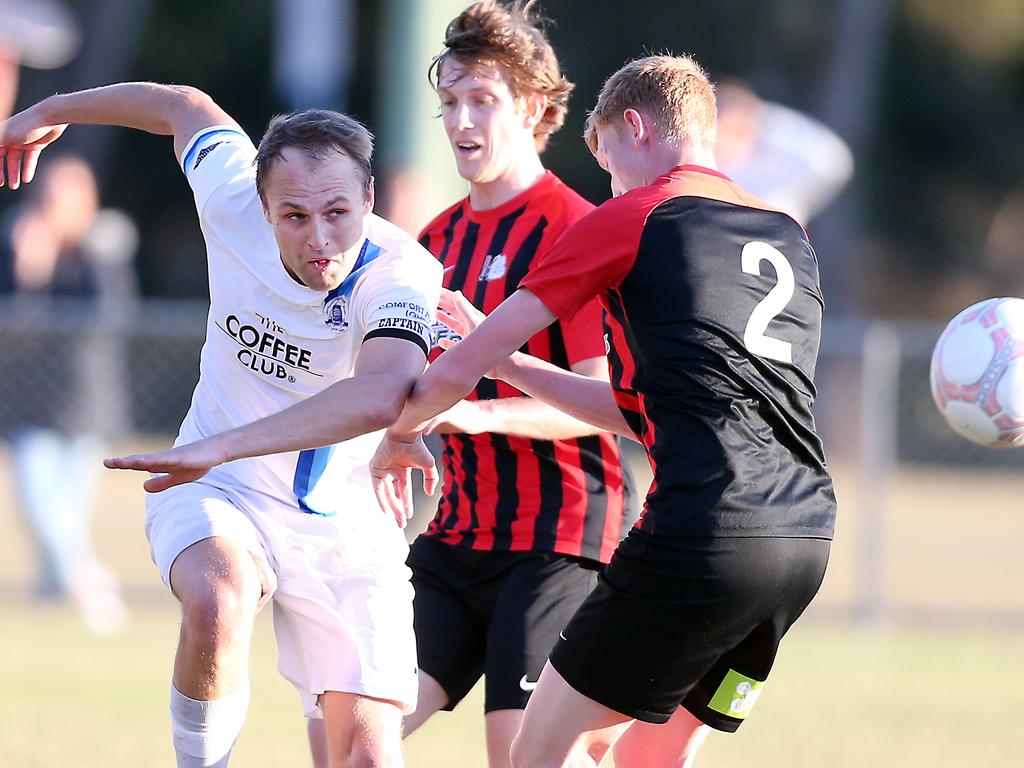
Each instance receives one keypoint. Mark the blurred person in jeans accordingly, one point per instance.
(64, 262)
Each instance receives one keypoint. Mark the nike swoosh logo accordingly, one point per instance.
(526, 685)
(562, 635)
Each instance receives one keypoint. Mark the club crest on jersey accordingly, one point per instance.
(336, 310)
(494, 267)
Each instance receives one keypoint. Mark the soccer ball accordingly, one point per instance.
(977, 373)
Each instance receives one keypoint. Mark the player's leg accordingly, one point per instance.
(316, 734)
(449, 618)
(362, 731)
(343, 621)
(501, 726)
(537, 597)
(667, 745)
(210, 554)
(430, 698)
(562, 728)
(742, 594)
(219, 587)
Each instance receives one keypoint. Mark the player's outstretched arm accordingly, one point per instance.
(585, 398)
(368, 401)
(169, 110)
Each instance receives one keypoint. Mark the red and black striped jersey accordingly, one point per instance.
(714, 319)
(508, 493)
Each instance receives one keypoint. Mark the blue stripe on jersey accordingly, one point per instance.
(308, 470)
(312, 463)
(367, 254)
(200, 138)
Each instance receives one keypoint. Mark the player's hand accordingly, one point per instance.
(462, 318)
(459, 313)
(22, 138)
(466, 417)
(391, 475)
(175, 466)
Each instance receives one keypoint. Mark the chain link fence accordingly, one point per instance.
(929, 524)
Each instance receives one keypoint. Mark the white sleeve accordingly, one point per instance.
(399, 299)
(217, 156)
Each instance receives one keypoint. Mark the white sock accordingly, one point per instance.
(204, 732)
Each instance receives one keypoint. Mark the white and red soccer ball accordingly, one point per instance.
(977, 373)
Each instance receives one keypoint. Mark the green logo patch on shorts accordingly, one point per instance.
(736, 695)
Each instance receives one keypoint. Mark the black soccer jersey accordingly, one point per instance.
(714, 313)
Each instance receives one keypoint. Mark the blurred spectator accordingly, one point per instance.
(35, 33)
(787, 158)
(67, 264)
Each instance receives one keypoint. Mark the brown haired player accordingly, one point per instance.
(714, 310)
(322, 309)
(534, 501)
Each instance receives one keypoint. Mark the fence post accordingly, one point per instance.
(878, 424)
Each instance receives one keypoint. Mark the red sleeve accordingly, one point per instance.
(584, 334)
(594, 254)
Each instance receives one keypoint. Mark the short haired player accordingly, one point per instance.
(318, 307)
(715, 311)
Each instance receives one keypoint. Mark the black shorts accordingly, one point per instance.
(691, 622)
(495, 614)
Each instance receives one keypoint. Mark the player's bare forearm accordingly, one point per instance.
(431, 395)
(584, 398)
(144, 106)
(370, 400)
(170, 110)
(457, 371)
(515, 416)
(347, 409)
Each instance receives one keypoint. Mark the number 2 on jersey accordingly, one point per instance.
(754, 337)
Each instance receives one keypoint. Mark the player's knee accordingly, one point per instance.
(366, 754)
(530, 753)
(218, 614)
(671, 745)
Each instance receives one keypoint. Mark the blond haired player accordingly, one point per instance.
(715, 312)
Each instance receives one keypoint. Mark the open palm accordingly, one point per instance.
(183, 464)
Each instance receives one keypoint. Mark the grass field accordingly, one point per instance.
(840, 697)
(941, 693)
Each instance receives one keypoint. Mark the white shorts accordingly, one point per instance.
(342, 597)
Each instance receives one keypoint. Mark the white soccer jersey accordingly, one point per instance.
(272, 342)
